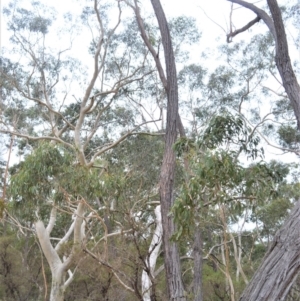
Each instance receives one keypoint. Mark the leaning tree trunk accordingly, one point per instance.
(283, 61)
(167, 175)
(281, 265)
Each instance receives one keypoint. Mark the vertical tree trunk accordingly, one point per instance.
(167, 175)
(57, 286)
(198, 264)
(148, 291)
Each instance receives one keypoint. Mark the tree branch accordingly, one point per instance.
(236, 32)
(32, 138)
(113, 270)
(260, 13)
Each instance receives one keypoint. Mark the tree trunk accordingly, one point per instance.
(282, 58)
(198, 264)
(281, 265)
(57, 286)
(283, 61)
(167, 175)
(275, 276)
(148, 289)
(57, 268)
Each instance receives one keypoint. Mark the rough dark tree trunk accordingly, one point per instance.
(283, 60)
(167, 175)
(281, 264)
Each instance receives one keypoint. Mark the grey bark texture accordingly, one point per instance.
(167, 175)
(283, 60)
(281, 264)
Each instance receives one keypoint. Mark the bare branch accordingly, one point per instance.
(260, 13)
(52, 220)
(236, 32)
(112, 269)
(147, 42)
(112, 145)
(32, 138)
(212, 19)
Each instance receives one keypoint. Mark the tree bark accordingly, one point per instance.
(281, 264)
(198, 264)
(282, 58)
(57, 286)
(167, 175)
(57, 266)
(283, 61)
(148, 276)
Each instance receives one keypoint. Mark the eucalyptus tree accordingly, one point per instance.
(82, 115)
(222, 190)
(285, 270)
(168, 76)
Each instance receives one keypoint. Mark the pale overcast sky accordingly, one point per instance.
(217, 10)
(206, 12)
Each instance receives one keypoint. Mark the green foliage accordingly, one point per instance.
(227, 128)
(20, 268)
(183, 145)
(29, 19)
(184, 29)
(192, 76)
(217, 177)
(48, 175)
(289, 136)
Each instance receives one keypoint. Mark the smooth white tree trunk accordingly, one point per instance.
(59, 267)
(153, 254)
(57, 286)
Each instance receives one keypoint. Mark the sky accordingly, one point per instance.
(212, 17)
(201, 10)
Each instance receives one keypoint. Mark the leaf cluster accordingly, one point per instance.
(217, 176)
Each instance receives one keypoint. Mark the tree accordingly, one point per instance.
(167, 176)
(275, 277)
(37, 82)
(173, 123)
(93, 147)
